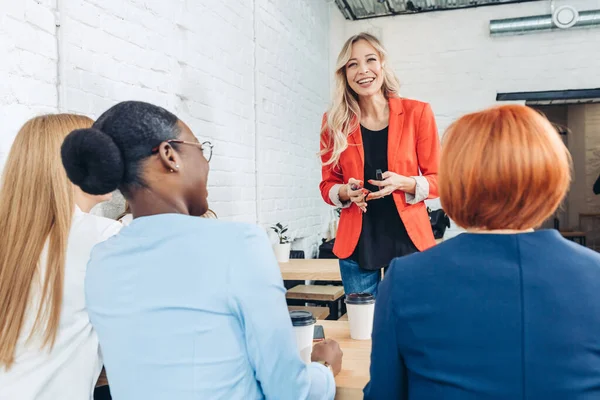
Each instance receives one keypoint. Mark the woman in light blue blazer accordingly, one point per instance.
(185, 307)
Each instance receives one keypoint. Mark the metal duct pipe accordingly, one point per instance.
(537, 23)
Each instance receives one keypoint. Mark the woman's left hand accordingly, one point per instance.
(390, 183)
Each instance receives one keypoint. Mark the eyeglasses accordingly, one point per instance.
(206, 147)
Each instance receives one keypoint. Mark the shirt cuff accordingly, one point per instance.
(322, 382)
(334, 196)
(421, 190)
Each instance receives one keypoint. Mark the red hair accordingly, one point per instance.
(503, 168)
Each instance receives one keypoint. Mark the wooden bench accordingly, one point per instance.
(314, 269)
(318, 312)
(315, 292)
(332, 296)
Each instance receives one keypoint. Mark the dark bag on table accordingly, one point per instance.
(439, 222)
(326, 249)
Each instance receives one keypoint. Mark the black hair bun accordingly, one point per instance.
(92, 161)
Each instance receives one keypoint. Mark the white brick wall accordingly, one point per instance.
(449, 59)
(241, 73)
(292, 93)
(27, 65)
(194, 58)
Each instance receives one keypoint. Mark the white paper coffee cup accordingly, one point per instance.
(360, 308)
(304, 328)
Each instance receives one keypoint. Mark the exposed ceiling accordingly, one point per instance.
(552, 97)
(558, 102)
(364, 9)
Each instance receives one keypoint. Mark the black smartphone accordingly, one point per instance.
(319, 334)
(378, 176)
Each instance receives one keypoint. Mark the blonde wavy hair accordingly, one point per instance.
(344, 114)
(36, 208)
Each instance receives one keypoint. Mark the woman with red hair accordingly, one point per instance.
(502, 311)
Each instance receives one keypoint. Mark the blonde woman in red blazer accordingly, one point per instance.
(369, 128)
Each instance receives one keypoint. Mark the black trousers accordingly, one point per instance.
(102, 393)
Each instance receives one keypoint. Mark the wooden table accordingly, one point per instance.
(355, 364)
(315, 269)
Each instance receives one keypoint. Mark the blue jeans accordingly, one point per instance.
(358, 280)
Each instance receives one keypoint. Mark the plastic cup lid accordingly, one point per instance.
(302, 318)
(360, 298)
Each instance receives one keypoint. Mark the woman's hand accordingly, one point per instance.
(356, 195)
(390, 183)
(330, 352)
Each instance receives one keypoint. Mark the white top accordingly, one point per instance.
(70, 370)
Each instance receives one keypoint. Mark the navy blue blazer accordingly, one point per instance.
(489, 316)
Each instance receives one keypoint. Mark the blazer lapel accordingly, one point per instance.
(395, 128)
(355, 140)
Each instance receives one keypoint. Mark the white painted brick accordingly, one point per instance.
(34, 93)
(76, 56)
(79, 101)
(292, 98)
(196, 59)
(15, 9)
(27, 65)
(29, 37)
(41, 17)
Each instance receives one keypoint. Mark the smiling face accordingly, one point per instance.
(364, 72)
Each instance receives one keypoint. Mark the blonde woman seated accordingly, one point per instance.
(48, 349)
(502, 311)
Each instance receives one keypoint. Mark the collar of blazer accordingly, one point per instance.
(395, 127)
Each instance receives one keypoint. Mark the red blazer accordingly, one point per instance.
(413, 146)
